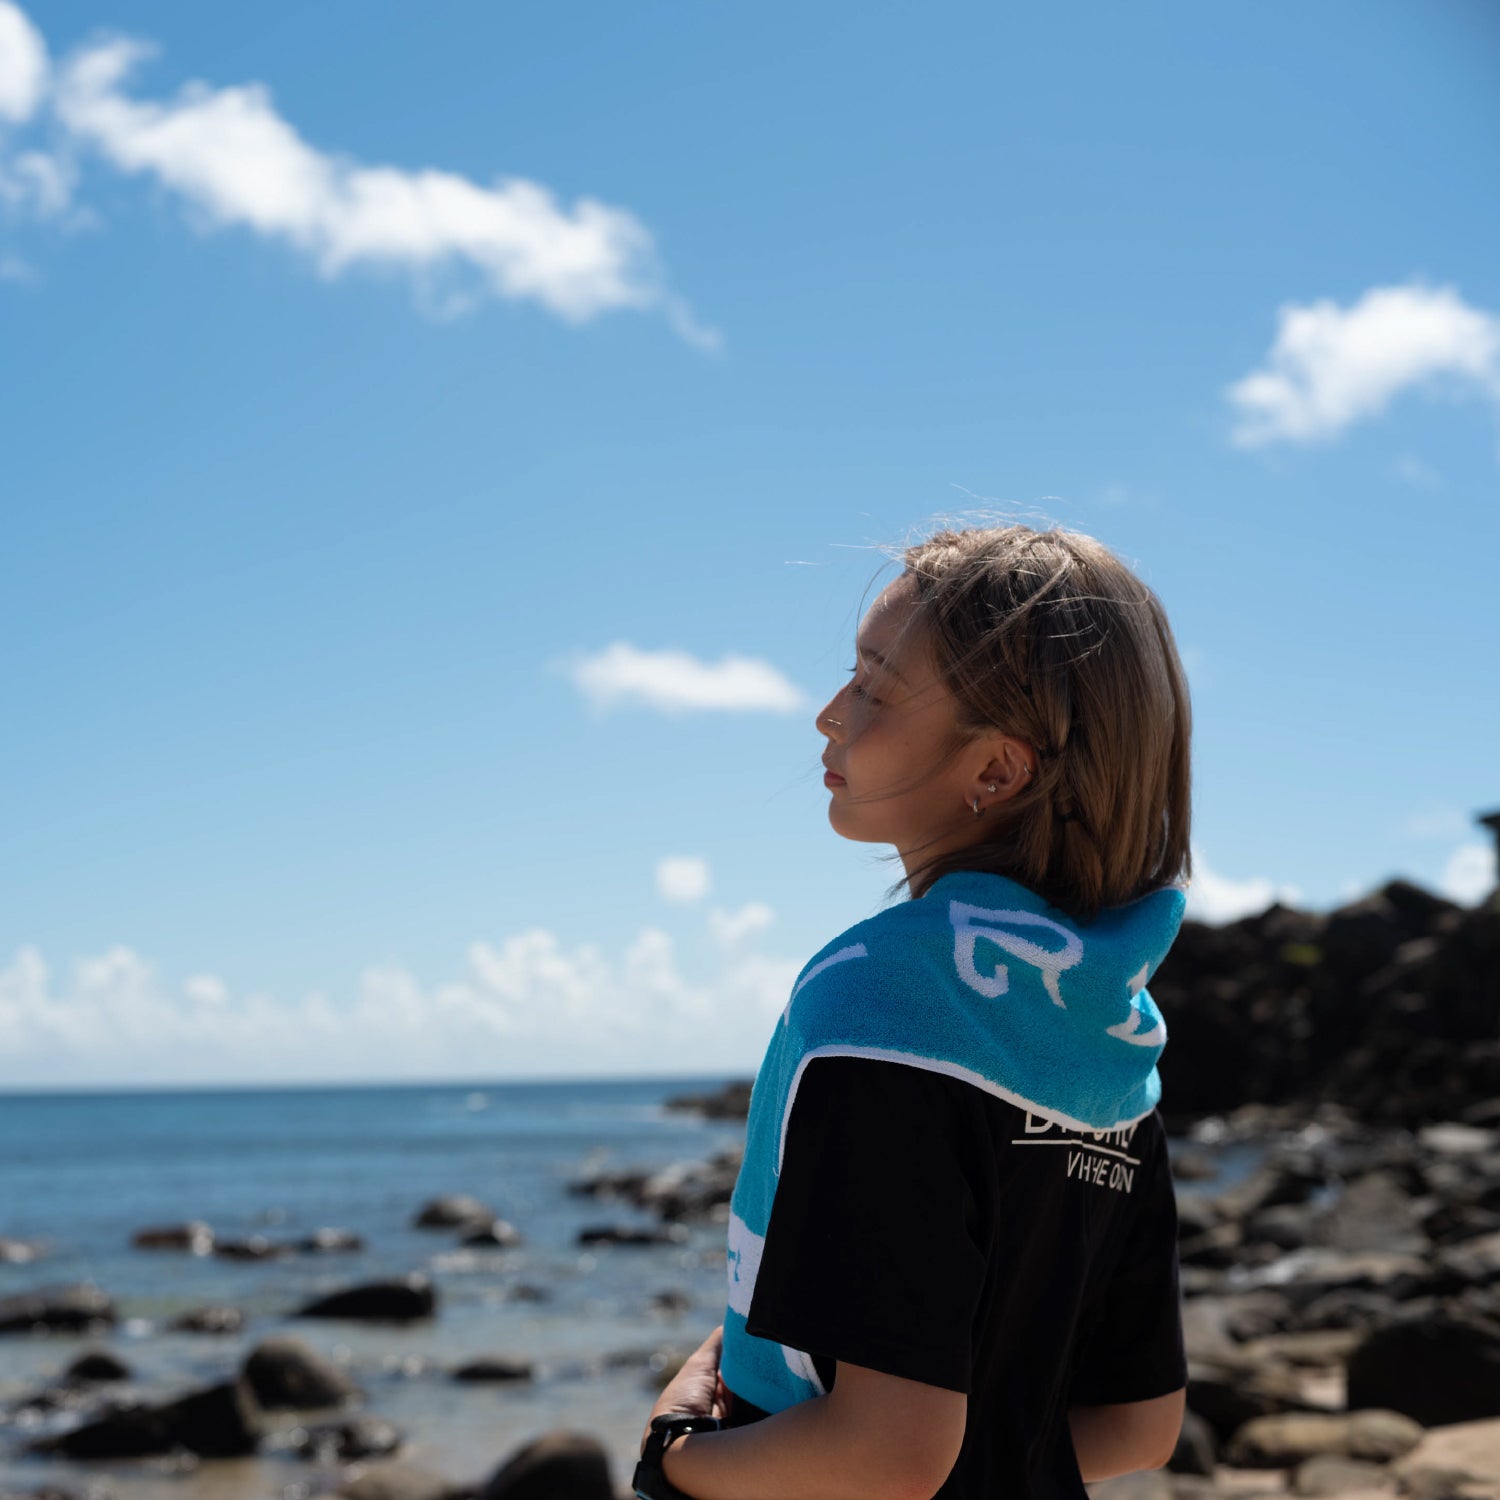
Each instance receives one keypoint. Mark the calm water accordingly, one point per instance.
(84, 1171)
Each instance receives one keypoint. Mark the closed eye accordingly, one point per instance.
(860, 691)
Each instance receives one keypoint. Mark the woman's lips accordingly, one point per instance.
(832, 778)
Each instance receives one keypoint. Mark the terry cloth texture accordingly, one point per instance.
(979, 979)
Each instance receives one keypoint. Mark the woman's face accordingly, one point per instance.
(891, 769)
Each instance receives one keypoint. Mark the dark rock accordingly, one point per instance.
(1328, 1474)
(255, 1247)
(351, 1438)
(453, 1211)
(1227, 1397)
(499, 1233)
(1279, 1442)
(212, 1319)
(127, 1429)
(331, 1241)
(285, 1374)
(624, 1234)
(1287, 1226)
(1361, 1310)
(71, 1309)
(221, 1421)
(195, 1237)
(496, 1368)
(671, 1304)
(557, 1466)
(1193, 1166)
(399, 1301)
(1473, 1262)
(732, 1102)
(96, 1365)
(1196, 1449)
(1439, 1369)
(527, 1291)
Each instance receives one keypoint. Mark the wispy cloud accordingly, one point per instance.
(677, 682)
(524, 1005)
(732, 928)
(1332, 366)
(1219, 898)
(233, 160)
(1437, 823)
(683, 877)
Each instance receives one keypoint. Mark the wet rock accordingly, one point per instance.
(1328, 1474)
(499, 1233)
(195, 1237)
(1197, 1447)
(624, 1234)
(453, 1211)
(670, 1304)
(1307, 1273)
(331, 1242)
(220, 1421)
(1473, 1262)
(285, 1374)
(212, 1319)
(496, 1368)
(1279, 1442)
(352, 1438)
(127, 1429)
(253, 1247)
(1355, 1309)
(96, 1365)
(402, 1300)
(557, 1466)
(395, 1480)
(1439, 1369)
(70, 1309)
(527, 1291)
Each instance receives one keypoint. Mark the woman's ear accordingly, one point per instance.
(1007, 772)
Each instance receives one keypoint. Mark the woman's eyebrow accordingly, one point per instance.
(883, 661)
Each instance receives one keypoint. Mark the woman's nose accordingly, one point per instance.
(829, 721)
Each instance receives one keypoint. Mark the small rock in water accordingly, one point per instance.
(330, 1241)
(453, 1211)
(19, 1252)
(215, 1318)
(286, 1375)
(195, 1237)
(255, 1247)
(557, 1466)
(95, 1365)
(70, 1309)
(355, 1437)
(732, 1102)
(670, 1304)
(494, 1368)
(399, 1301)
(620, 1234)
(499, 1233)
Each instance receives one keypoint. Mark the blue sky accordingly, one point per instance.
(370, 373)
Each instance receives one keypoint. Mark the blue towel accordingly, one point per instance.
(982, 980)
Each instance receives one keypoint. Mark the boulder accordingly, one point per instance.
(195, 1237)
(1328, 1474)
(1438, 1369)
(557, 1466)
(1279, 1442)
(731, 1102)
(126, 1429)
(402, 1300)
(453, 1211)
(285, 1374)
(69, 1309)
(219, 1421)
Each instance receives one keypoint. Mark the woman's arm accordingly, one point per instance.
(872, 1437)
(1132, 1435)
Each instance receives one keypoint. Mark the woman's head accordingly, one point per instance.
(1031, 674)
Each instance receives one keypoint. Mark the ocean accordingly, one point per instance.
(82, 1172)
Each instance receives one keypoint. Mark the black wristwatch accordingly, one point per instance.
(649, 1481)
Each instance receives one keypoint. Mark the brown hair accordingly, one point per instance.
(1048, 636)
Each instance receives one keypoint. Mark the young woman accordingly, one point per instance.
(952, 1247)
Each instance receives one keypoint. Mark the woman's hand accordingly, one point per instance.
(696, 1387)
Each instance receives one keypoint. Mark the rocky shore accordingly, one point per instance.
(1333, 1089)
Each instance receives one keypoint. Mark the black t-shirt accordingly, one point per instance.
(927, 1229)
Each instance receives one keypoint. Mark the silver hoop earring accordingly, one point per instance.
(976, 807)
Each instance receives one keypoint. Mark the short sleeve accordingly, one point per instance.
(1134, 1350)
(872, 1254)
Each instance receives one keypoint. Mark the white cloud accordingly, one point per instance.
(683, 877)
(1218, 898)
(23, 64)
(731, 928)
(1470, 875)
(526, 1005)
(233, 160)
(675, 681)
(1331, 367)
